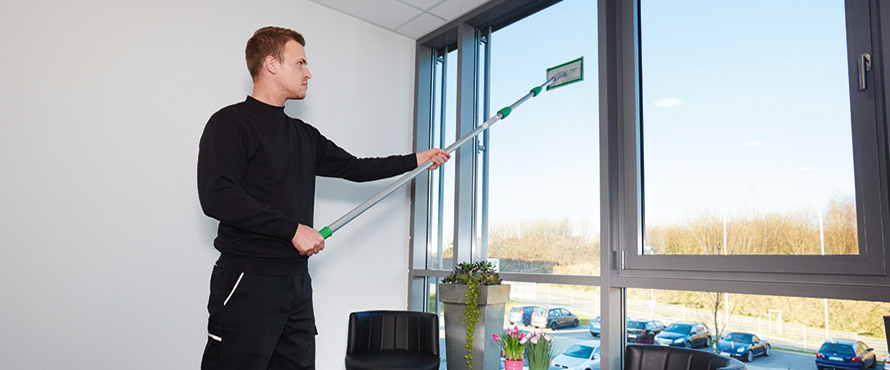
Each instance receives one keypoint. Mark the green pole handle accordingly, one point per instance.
(505, 112)
(326, 232)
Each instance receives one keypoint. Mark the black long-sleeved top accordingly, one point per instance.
(256, 175)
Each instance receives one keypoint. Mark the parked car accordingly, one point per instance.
(887, 363)
(521, 314)
(584, 355)
(595, 327)
(643, 331)
(685, 334)
(553, 318)
(845, 354)
(744, 346)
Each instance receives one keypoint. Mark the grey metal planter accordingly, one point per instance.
(486, 353)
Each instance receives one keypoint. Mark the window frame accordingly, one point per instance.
(868, 175)
(862, 277)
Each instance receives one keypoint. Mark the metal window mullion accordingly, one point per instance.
(419, 242)
(441, 175)
(486, 144)
(464, 213)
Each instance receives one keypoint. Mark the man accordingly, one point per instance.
(256, 175)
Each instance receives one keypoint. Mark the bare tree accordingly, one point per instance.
(713, 303)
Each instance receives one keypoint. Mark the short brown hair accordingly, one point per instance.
(268, 41)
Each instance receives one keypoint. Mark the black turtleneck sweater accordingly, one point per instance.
(256, 175)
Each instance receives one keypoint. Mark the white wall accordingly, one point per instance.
(106, 254)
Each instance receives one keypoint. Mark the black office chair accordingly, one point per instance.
(652, 357)
(393, 340)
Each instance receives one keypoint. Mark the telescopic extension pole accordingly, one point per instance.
(329, 230)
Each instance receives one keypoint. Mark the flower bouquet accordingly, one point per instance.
(513, 343)
(538, 346)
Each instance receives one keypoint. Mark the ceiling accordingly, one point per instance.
(412, 18)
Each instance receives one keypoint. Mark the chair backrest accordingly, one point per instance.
(372, 331)
(650, 357)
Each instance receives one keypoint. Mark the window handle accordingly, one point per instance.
(864, 67)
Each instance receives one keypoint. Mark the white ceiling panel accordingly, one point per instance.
(423, 4)
(389, 14)
(411, 18)
(421, 26)
(452, 9)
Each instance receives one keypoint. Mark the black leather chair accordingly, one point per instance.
(393, 340)
(651, 357)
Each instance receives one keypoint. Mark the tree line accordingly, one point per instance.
(559, 246)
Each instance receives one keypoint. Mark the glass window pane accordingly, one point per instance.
(544, 158)
(747, 146)
(775, 331)
(577, 303)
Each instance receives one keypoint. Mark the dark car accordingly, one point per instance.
(554, 318)
(685, 334)
(845, 354)
(521, 314)
(744, 346)
(643, 331)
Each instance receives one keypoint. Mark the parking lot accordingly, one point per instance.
(793, 345)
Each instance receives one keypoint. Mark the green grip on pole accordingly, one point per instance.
(326, 232)
(536, 91)
(504, 112)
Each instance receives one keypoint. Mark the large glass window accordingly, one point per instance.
(744, 150)
(543, 192)
(747, 140)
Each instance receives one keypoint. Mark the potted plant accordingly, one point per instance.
(473, 301)
(512, 342)
(538, 346)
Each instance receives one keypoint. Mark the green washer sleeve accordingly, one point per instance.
(504, 112)
(536, 91)
(326, 232)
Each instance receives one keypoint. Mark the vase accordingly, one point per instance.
(512, 365)
(486, 353)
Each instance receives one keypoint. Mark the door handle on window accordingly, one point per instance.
(864, 67)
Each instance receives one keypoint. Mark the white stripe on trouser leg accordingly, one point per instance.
(233, 289)
(215, 337)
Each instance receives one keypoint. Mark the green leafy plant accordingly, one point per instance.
(539, 347)
(473, 275)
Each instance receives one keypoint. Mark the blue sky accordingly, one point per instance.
(745, 108)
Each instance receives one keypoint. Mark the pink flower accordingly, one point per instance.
(496, 338)
(547, 337)
(523, 340)
(535, 340)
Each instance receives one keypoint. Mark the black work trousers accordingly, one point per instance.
(260, 322)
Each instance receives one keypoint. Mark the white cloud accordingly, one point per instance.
(667, 103)
(755, 143)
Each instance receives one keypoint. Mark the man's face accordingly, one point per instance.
(293, 74)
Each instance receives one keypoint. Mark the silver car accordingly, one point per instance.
(584, 355)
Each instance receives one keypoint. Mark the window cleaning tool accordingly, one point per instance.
(560, 75)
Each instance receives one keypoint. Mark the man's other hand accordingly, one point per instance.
(307, 241)
(438, 156)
